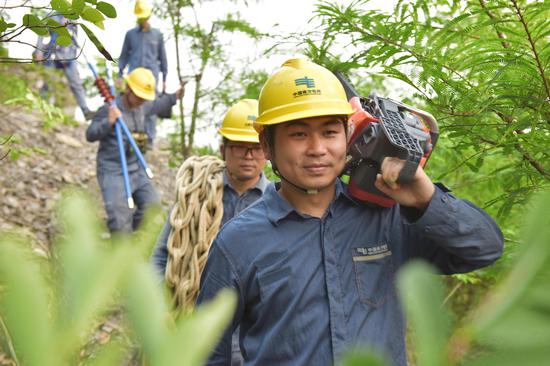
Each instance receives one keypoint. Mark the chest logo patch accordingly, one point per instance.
(363, 254)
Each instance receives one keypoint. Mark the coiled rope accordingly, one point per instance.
(195, 221)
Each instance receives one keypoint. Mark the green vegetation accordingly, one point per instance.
(49, 306)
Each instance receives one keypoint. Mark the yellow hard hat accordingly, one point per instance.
(142, 82)
(237, 123)
(300, 89)
(142, 9)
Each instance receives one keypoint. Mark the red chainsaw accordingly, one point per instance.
(380, 128)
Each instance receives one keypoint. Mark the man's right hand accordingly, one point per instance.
(114, 114)
(118, 83)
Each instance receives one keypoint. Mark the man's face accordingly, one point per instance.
(143, 22)
(133, 100)
(243, 160)
(311, 152)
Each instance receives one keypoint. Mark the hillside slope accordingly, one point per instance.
(31, 185)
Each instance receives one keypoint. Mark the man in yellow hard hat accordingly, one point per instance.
(244, 180)
(144, 47)
(140, 87)
(313, 268)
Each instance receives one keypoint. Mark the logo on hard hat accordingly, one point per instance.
(310, 83)
(250, 118)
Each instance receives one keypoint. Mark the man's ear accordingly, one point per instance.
(222, 151)
(265, 145)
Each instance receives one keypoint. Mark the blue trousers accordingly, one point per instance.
(120, 218)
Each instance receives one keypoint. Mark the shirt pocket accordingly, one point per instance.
(374, 274)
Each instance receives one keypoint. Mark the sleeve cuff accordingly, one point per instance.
(440, 210)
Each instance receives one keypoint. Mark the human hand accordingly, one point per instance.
(39, 56)
(416, 193)
(114, 114)
(180, 92)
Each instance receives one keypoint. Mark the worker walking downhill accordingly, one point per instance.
(243, 182)
(64, 58)
(140, 87)
(144, 47)
(314, 269)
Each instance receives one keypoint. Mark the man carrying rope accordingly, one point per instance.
(313, 268)
(140, 87)
(241, 182)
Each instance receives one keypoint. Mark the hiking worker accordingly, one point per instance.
(243, 181)
(140, 87)
(144, 47)
(314, 269)
(64, 58)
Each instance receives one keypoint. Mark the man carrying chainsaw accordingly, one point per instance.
(140, 87)
(313, 267)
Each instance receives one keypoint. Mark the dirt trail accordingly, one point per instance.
(31, 185)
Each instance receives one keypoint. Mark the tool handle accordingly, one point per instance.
(124, 166)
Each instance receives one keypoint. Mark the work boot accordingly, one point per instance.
(88, 115)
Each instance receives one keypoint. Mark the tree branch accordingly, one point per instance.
(533, 49)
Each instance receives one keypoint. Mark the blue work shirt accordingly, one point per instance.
(108, 158)
(51, 51)
(311, 288)
(233, 203)
(144, 49)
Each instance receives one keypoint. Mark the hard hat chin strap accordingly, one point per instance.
(293, 185)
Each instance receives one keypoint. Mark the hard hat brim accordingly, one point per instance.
(239, 136)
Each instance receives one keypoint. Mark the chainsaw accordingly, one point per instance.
(380, 128)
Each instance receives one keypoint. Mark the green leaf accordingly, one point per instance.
(362, 358)
(92, 15)
(64, 41)
(96, 42)
(534, 260)
(210, 321)
(3, 25)
(147, 310)
(78, 6)
(36, 25)
(62, 6)
(85, 290)
(422, 295)
(24, 302)
(58, 28)
(106, 9)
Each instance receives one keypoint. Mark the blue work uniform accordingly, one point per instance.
(145, 49)
(109, 172)
(64, 58)
(311, 288)
(233, 203)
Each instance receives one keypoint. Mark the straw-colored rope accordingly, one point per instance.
(195, 221)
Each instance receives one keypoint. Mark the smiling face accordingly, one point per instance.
(311, 152)
(244, 160)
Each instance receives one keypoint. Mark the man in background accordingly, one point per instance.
(63, 58)
(144, 47)
(132, 106)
